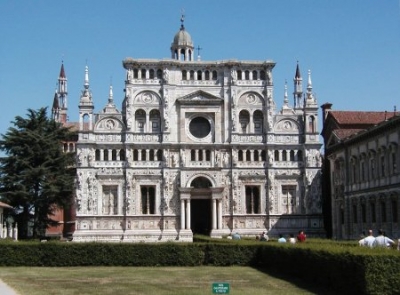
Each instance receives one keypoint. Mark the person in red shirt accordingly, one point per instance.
(301, 237)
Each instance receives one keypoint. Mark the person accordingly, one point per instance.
(281, 239)
(382, 241)
(264, 237)
(368, 241)
(292, 240)
(236, 236)
(301, 237)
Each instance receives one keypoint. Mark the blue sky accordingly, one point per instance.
(351, 47)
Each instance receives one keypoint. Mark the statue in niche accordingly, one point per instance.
(233, 75)
(166, 75)
(217, 158)
(225, 159)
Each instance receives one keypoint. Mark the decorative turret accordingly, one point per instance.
(59, 109)
(86, 105)
(182, 47)
(298, 88)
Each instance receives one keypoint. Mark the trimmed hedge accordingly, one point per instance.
(347, 269)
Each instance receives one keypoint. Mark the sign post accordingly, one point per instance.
(220, 288)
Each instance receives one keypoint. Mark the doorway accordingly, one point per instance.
(200, 212)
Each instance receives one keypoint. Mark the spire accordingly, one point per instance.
(86, 96)
(86, 83)
(62, 72)
(110, 96)
(60, 107)
(298, 87)
(309, 83)
(182, 20)
(285, 96)
(310, 97)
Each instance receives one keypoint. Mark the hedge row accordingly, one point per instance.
(345, 269)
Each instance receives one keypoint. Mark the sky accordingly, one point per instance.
(351, 47)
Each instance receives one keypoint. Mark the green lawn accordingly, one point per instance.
(148, 280)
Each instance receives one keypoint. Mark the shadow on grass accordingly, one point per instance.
(300, 283)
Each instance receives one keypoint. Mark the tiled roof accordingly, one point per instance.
(344, 133)
(363, 118)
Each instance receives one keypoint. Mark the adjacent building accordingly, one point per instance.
(198, 147)
(361, 171)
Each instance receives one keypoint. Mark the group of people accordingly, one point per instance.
(379, 241)
(301, 237)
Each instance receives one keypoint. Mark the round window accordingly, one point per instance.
(199, 127)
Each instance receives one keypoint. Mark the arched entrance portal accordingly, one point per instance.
(200, 210)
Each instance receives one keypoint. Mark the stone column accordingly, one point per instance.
(188, 214)
(214, 214)
(182, 214)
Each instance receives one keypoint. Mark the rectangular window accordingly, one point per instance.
(383, 211)
(372, 169)
(148, 198)
(252, 200)
(289, 198)
(355, 214)
(110, 200)
(363, 213)
(373, 213)
(383, 166)
(394, 211)
(394, 164)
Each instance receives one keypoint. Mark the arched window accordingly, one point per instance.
(214, 75)
(135, 73)
(71, 147)
(143, 152)
(256, 156)
(207, 75)
(114, 155)
(258, 119)
(244, 119)
(143, 73)
(151, 74)
(239, 75)
(191, 75)
(140, 119)
(240, 155)
(155, 121)
(122, 155)
(135, 155)
(151, 155)
(248, 155)
(199, 75)
(192, 155)
(263, 155)
(311, 123)
(65, 147)
(247, 75)
(276, 155)
(299, 156)
(262, 75)
(159, 74)
(208, 155)
(284, 155)
(292, 155)
(159, 155)
(97, 155)
(184, 75)
(105, 155)
(255, 75)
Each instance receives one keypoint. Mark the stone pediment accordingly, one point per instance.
(109, 124)
(200, 98)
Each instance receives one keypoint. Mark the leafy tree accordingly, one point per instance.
(36, 176)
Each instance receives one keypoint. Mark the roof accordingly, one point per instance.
(343, 133)
(363, 118)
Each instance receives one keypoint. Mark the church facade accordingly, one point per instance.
(198, 147)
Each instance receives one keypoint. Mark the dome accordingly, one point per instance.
(183, 38)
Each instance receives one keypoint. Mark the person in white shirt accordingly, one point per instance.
(382, 241)
(368, 241)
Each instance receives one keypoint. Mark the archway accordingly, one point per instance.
(200, 211)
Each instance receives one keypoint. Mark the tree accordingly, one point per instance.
(35, 174)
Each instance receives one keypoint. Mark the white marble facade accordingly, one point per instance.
(198, 147)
